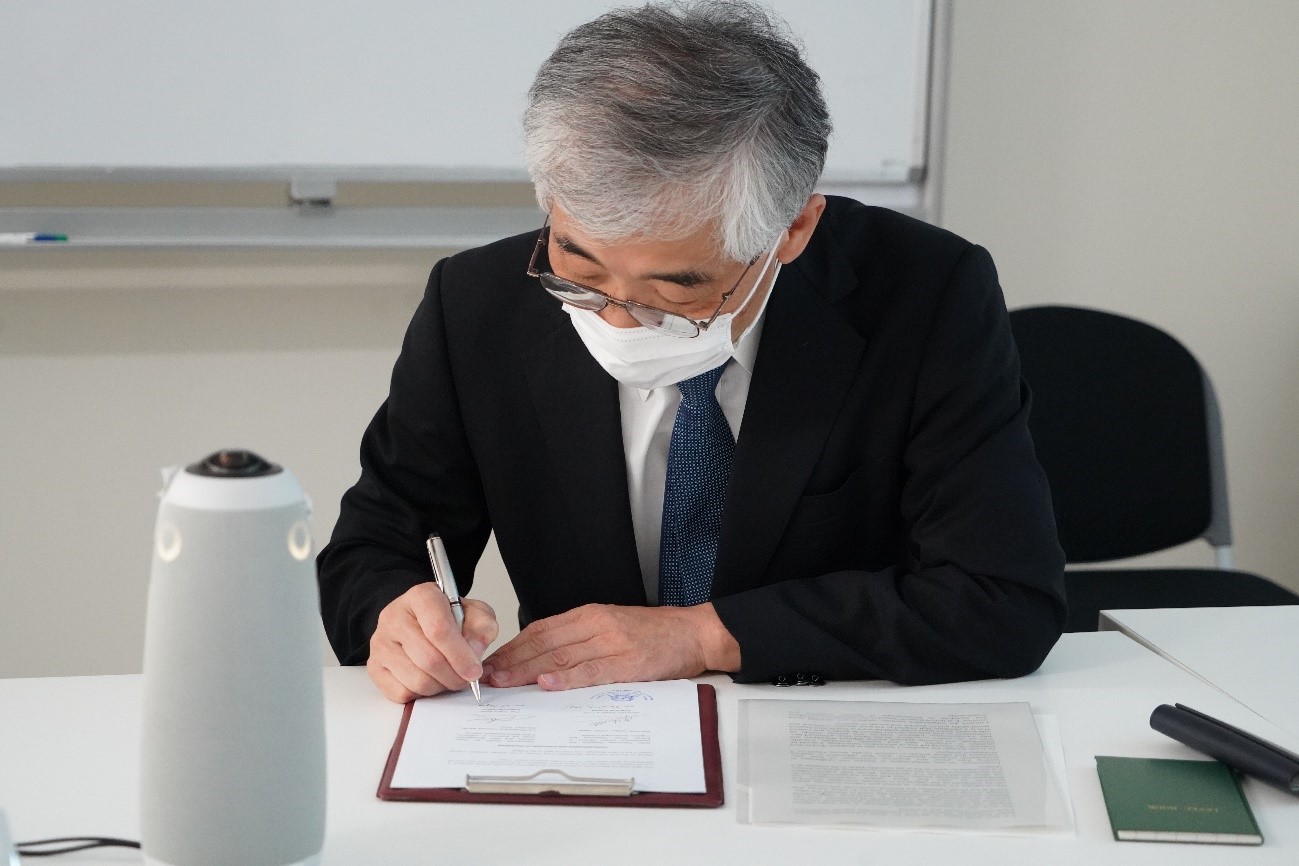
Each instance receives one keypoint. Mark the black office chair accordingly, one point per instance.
(1128, 430)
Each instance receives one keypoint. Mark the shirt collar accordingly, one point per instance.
(746, 353)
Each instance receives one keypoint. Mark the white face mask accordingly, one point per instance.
(646, 359)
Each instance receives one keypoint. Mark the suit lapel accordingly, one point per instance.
(577, 403)
(806, 363)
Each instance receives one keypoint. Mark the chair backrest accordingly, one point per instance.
(1127, 428)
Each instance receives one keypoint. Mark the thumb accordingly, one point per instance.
(480, 625)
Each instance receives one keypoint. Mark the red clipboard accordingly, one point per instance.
(711, 798)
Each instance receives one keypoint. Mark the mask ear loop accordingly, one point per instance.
(735, 341)
(757, 282)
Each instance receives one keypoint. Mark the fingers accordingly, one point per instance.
(545, 635)
(388, 685)
(438, 627)
(415, 665)
(597, 672)
(546, 645)
(597, 644)
(417, 648)
(560, 658)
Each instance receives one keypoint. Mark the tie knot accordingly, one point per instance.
(697, 390)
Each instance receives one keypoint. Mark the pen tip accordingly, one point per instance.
(478, 695)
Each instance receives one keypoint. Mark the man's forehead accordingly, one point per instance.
(698, 248)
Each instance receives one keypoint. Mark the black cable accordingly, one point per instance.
(72, 843)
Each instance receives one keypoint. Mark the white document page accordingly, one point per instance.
(646, 731)
(894, 764)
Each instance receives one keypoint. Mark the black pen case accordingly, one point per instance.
(1237, 749)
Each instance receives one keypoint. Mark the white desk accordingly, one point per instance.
(68, 755)
(1249, 653)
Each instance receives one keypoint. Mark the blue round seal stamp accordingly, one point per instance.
(621, 696)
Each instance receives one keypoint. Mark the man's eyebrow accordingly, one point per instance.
(568, 245)
(689, 278)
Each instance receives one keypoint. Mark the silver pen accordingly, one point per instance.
(446, 581)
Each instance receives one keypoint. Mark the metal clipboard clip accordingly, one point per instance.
(543, 782)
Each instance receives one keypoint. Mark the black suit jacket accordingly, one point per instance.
(885, 515)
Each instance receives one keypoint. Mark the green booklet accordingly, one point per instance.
(1161, 800)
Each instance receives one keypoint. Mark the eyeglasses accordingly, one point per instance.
(587, 298)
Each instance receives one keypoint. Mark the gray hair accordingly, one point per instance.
(657, 121)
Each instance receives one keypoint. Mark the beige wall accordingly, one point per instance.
(114, 364)
(1135, 156)
(1140, 157)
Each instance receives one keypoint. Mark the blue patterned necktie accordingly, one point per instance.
(699, 463)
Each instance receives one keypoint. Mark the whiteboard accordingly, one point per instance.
(380, 89)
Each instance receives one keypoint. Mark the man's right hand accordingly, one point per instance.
(417, 648)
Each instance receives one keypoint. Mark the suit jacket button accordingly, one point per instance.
(812, 679)
(784, 681)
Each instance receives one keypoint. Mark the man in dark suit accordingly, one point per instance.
(716, 421)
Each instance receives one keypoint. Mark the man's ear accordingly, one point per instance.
(800, 230)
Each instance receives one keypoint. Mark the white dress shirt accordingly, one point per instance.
(647, 419)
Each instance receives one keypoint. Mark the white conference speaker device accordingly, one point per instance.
(8, 853)
(232, 761)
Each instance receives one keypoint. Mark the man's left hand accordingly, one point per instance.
(600, 643)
